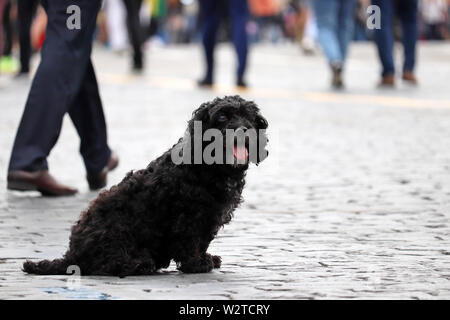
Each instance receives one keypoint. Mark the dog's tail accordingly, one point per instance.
(47, 267)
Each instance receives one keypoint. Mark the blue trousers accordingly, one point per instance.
(406, 10)
(335, 21)
(211, 14)
(65, 82)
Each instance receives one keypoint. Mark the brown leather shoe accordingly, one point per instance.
(40, 181)
(387, 81)
(409, 77)
(98, 181)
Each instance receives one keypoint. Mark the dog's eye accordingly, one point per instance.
(222, 118)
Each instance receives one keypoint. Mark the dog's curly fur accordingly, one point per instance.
(162, 212)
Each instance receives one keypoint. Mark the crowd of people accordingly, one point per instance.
(27, 26)
(124, 24)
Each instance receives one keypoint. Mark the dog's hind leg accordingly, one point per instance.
(140, 267)
(127, 265)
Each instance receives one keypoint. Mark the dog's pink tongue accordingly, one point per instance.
(240, 152)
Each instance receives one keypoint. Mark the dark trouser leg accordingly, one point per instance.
(134, 29)
(239, 17)
(407, 12)
(2, 7)
(87, 115)
(57, 84)
(384, 37)
(210, 14)
(26, 9)
(7, 41)
(432, 32)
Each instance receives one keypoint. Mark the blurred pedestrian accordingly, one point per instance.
(135, 32)
(116, 25)
(309, 34)
(7, 29)
(3, 4)
(26, 9)
(406, 11)
(335, 22)
(64, 82)
(434, 15)
(210, 11)
(267, 14)
(8, 63)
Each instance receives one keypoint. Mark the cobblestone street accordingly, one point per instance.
(353, 201)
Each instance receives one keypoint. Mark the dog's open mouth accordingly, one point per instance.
(240, 153)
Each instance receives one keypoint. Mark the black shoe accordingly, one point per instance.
(138, 67)
(241, 84)
(98, 181)
(205, 83)
(336, 80)
(138, 63)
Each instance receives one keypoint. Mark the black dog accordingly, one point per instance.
(165, 211)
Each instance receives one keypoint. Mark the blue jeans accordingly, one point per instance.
(211, 14)
(335, 20)
(406, 10)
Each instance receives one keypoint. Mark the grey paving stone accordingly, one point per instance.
(353, 201)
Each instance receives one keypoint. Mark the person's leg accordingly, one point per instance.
(87, 115)
(327, 16)
(384, 37)
(326, 13)
(25, 10)
(117, 24)
(438, 34)
(135, 31)
(433, 32)
(239, 16)
(346, 25)
(210, 15)
(408, 16)
(8, 63)
(2, 8)
(7, 41)
(64, 63)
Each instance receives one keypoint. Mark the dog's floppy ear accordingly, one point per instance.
(201, 114)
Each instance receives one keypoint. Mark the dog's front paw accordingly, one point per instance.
(201, 265)
(217, 261)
